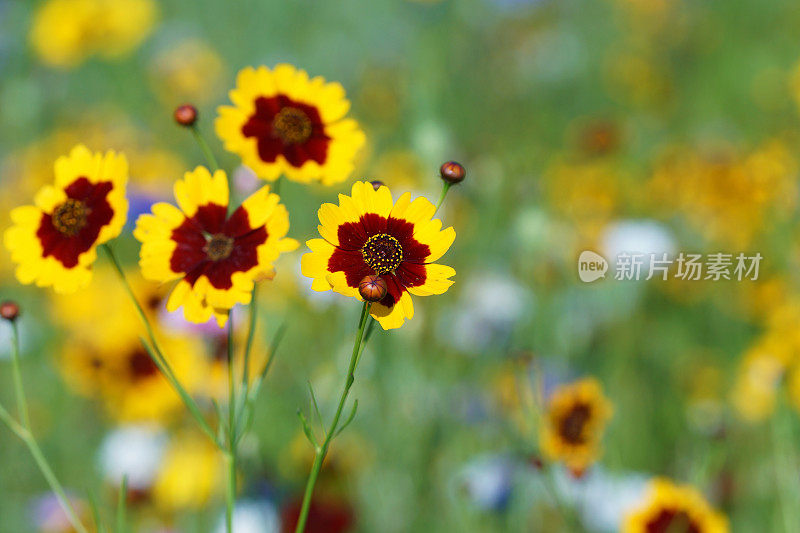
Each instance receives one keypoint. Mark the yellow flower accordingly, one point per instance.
(66, 32)
(671, 507)
(282, 122)
(189, 70)
(109, 363)
(217, 258)
(366, 234)
(191, 472)
(573, 424)
(54, 242)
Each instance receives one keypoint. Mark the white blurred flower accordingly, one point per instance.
(487, 481)
(135, 451)
(637, 237)
(250, 516)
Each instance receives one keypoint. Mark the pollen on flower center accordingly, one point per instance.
(218, 247)
(572, 425)
(292, 125)
(70, 217)
(382, 253)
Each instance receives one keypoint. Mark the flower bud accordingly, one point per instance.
(377, 184)
(9, 311)
(186, 115)
(452, 172)
(372, 288)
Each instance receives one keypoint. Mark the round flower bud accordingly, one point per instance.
(452, 172)
(372, 288)
(186, 115)
(377, 184)
(10, 310)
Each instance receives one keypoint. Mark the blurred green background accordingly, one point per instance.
(639, 125)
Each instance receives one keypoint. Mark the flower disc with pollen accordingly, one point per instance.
(367, 235)
(282, 122)
(217, 257)
(54, 242)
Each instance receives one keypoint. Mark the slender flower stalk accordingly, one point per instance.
(445, 189)
(22, 429)
(230, 458)
(322, 450)
(207, 153)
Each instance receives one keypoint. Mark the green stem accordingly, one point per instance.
(158, 355)
(230, 500)
(444, 193)
(251, 332)
(322, 450)
(22, 404)
(207, 153)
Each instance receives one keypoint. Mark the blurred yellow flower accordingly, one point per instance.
(573, 425)
(282, 122)
(64, 33)
(54, 242)
(191, 474)
(190, 70)
(671, 507)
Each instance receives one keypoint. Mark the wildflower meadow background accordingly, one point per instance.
(518, 399)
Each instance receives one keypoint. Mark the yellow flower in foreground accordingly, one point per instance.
(671, 507)
(54, 242)
(217, 257)
(366, 234)
(66, 32)
(576, 416)
(282, 122)
(191, 472)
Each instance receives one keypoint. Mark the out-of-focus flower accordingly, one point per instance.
(670, 507)
(66, 32)
(637, 237)
(216, 377)
(252, 516)
(49, 517)
(190, 70)
(729, 198)
(369, 234)
(575, 418)
(216, 258)
(399, 169)
(282, 122)
(54, 242)
(191, 474)
(134, 452)
(488, 481)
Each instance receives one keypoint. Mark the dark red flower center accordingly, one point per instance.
(384, 246)
(282, 126)
(74, 225)
(573, 424)
(70, 217)
(382, 253)
(141, 365)
(672, 521)
(214, 245)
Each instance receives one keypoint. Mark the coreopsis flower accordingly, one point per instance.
(671, 507)
(64, 33)
(573, 424)
(367, 234)
(54, 242)
(282, 122)
(191, 473)
(215, 257)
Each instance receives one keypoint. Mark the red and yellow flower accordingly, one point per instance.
(671, 507)
(215, 257)
(282, 122)
(368, 234)
(54, 242)
(573, 425)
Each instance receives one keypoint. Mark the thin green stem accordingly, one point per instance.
(156, 354)
(22, 404)
(207, 153)
(445, 188)
(322, 451)
(251, 333)
(122, 506)
(230, 500)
